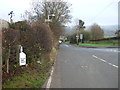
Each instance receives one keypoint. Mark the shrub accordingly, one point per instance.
(37, 41)
(43, 36)
(10, 42)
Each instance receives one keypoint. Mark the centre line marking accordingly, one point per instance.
(105, 61)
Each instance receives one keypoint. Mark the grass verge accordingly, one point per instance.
(32, 76)
(99, 45)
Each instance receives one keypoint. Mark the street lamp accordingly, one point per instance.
(48, 19)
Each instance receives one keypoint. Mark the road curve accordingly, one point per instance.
(77, 67)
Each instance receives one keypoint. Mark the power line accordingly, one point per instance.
(106, 7)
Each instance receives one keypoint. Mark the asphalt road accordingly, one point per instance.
(78, 67)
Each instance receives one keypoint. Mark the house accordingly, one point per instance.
(3, 24)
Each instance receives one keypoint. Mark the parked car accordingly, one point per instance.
(60, 41)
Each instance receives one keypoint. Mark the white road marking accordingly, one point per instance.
(50, 78)
(105, 61)
(115, 66)
(109, 50)
(84, 66)
(66, 45)
(110, 63)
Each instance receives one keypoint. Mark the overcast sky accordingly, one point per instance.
(102, 12)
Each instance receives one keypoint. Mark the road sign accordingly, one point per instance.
(48, 20)
(81, 36)
(22, 57)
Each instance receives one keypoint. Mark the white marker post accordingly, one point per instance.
(22, 57)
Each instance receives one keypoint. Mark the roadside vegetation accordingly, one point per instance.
(38, 47)
(99, 45)
(94, 37)
(32, 76)
(39, 40)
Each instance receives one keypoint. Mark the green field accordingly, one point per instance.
(99, 45)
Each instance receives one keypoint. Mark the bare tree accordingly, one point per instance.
(96, 32)
(59, 8)
(10, 40)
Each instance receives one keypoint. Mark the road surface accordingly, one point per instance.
(78, 67)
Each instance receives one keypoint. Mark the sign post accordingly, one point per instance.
(22, 57)
(81, 37)
(77, 38)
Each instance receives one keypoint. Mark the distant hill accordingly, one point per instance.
(109, 30)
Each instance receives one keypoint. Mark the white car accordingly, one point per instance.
(60, 41)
